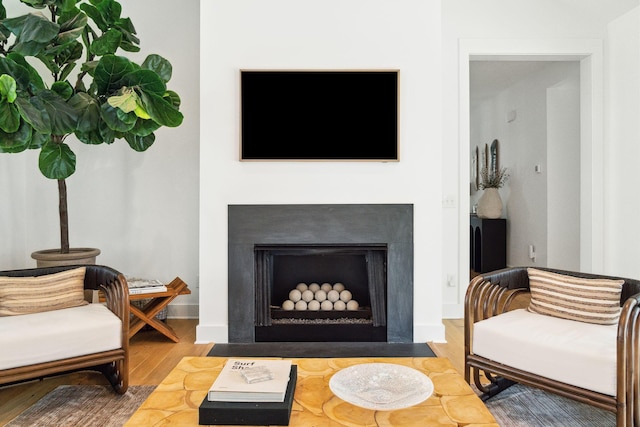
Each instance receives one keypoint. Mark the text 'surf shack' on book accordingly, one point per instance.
(270, 384)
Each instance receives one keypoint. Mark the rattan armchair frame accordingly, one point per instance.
(493, 293)
(114, 364)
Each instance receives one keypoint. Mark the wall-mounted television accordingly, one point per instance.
(319, 115)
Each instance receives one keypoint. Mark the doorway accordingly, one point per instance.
(590, 58)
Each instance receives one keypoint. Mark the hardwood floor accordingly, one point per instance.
(152, 357)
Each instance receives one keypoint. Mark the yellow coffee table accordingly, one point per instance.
(176, 400)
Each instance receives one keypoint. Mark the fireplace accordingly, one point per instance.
(320, 292)
(368, 249)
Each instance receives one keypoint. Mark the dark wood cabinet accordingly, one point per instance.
(488, 245)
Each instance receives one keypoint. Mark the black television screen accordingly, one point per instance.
(319, 115)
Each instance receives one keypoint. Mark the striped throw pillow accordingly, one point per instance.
(24, 295)
(574, 298)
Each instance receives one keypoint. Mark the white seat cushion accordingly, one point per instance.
(576, 353)
(54, 335)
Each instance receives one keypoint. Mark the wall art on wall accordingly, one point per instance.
(475, 170)
(495, 157)
(484, 162)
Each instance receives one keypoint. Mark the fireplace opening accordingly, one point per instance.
(308, 293)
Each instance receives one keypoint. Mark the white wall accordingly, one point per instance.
(563, 173)
(623, 149)
(334, 34)
(141, 210)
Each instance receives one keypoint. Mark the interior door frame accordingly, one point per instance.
(589, 52)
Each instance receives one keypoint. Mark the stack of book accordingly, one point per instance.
(144, 286)
(250, 392)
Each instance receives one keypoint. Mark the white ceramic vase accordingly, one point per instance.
(490, 204)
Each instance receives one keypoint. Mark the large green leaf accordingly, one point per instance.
(72, 24)
(57, 161)
(161, 66)
(29, 76)
(103, 12)
(90, 138)
(89, 67)
(116, 119)
(93, 13)
(33, 32)
(9, 117)
(4, 33)
(145, 80)
(62, 88)
(129, 41)
(49, 61)
(109, 73)
(17, 141)
(109, 9)
(88, 112)
(144, 127)
(127, 101)
(140, 143)
(67, 70)
(128, 46)
(38, 140)
(173, 98)
(18, 72)
(38, 4)
(64, 118)
(67, 5)
(37, 118)
(160, 110)
(107, 134)
(8, 88)
(107, 43)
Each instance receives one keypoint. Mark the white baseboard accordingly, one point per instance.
(182, 311)
(206, 334)
(428, 332)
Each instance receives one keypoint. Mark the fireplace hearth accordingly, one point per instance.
(273, 248)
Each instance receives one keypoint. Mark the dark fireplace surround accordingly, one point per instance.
(330, 225)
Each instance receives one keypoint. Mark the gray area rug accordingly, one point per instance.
(522, 406)
(83, 405)
(95, 405)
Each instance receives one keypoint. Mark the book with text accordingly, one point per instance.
(144, 286)
(147, 290)
(231, 386)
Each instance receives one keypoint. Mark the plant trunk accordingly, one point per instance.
(64, 216)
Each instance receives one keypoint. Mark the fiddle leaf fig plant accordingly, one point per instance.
(62, 73)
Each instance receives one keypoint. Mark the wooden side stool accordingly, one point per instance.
(146, 315)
